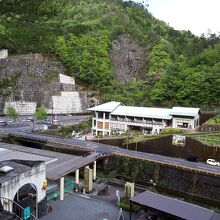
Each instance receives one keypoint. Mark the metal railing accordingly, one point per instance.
(9, 208)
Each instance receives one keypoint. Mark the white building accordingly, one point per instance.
(21, 183)
(115, 117)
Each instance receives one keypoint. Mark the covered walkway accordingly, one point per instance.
(166, 208)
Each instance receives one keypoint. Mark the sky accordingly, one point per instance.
(198, 16)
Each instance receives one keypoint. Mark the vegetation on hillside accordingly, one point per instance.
(214, 121)
(183, 69)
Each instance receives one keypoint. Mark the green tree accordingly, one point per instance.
(41, 113)
(11, 112)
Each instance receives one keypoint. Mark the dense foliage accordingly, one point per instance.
(183, 69)
(214, 121)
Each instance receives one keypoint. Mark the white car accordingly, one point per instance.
(213, 162)
(78, 135)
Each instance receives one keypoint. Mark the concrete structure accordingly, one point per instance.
(62, 188)
(65, 164)
(115, 117)
(43, 82)
(58, 165)
(3, 53)
(66, 103)
(88, 179)
(129, 191)
(25, 180)
(22, 107)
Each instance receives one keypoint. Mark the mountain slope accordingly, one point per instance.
(164, 67)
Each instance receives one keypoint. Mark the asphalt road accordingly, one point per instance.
(22, 124)
(74, 207)
(99, 150)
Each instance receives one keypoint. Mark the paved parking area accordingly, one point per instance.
(80, 207)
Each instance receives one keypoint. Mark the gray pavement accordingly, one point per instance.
(76, 207)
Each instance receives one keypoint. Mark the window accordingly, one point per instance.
(100, 114)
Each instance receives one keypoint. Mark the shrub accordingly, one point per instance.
(171, 131)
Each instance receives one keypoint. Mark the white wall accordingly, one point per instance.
(3, 53)
(67, 102)
(66, 79)
(189, 121)
(35, 176)
(22, 108)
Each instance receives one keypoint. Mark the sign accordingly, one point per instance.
(27, 213)
(179, 140)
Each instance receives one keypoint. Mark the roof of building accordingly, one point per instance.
(184, 111)
(173, 206)
(57, 164)
(19, 167)
(106, 107)
(117, 108)
(160, 113)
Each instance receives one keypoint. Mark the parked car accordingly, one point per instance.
(78, 135)
(11, 121)
(213, 162)
(3, 123)
(30, 120)
(192, 158)
(55, 121)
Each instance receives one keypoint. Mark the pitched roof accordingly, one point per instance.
(184, 111)
(106, 107)
(173, 206)
(160, 113)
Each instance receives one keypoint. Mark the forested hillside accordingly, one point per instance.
(179, 69)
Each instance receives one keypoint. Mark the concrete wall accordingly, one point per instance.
(66, 102)
(35, 176)
(3, 53)
(41, 78)
(21, 107)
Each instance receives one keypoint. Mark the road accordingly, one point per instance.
(98, 150)
(22, 123)
(22, 128)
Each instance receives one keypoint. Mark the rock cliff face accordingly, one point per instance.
(41, 80)
(128, 58)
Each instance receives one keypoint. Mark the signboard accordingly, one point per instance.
(27, 213)
(179, 140)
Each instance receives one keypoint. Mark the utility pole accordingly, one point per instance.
(52, 112)
(128, 136)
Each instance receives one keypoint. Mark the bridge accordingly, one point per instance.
(98, 150)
